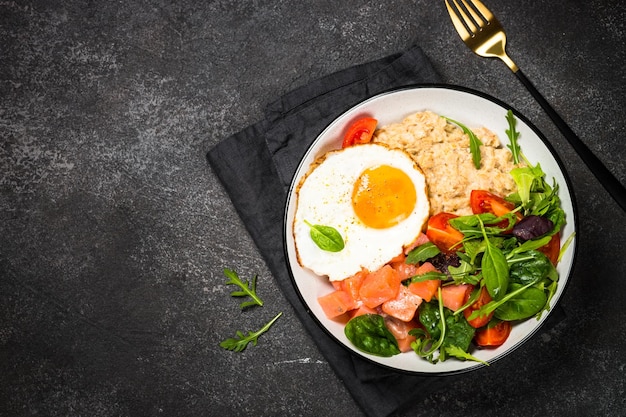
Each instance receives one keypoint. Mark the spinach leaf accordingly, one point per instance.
(429, 340)
(530, 267)
(459, 333)
(495, 271)
(491, 306)
(370, 334)
(326, 237)
(445, 330)
(422, 253)
(523, 305)
(429, 316)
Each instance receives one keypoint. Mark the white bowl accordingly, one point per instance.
(473, 109)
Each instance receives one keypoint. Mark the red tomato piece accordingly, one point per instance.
(483, 299)
(552, 249)
(440, 233)
(361, 131)
(493, 335)
(482, 201)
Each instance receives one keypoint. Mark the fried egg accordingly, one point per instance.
(373, 195)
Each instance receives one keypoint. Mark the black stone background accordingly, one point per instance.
(114, 231)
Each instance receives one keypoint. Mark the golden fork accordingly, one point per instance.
(483, 34)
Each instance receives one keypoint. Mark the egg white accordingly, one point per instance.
(324, 197)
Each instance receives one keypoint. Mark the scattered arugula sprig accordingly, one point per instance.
(475, 142)
(248, 289)
(241, 341)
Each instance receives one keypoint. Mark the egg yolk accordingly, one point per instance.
(383, 196)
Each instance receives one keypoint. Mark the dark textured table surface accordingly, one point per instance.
(114, 231)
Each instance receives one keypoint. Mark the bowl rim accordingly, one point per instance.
(462, 89)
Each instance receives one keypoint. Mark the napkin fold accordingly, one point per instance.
(256, 167)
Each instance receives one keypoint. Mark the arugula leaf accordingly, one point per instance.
(326, 237)
(513, 135)
(536, 196)
(248, 289)
(427, 276)
(464, 273)
(475, 142)
(528, 246)
(422, 253)
(459, 353)
(565, 246)
(241, 341)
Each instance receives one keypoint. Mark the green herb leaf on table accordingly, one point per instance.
(475, 142)
(241, 341)
(248, 289)
(326, 237)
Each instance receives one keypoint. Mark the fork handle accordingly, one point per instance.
(601, 172)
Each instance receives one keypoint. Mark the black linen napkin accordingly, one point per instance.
(256, 167)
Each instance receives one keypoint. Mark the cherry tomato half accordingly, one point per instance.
(483, 299)
(442, 234)
(482, 201)
(552, 249)
(493, 335)
(361, 131)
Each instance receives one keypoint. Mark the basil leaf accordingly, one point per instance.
(326, 237)
(422, 253)
(370, 334)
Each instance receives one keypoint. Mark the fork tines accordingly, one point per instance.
(468, 16)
